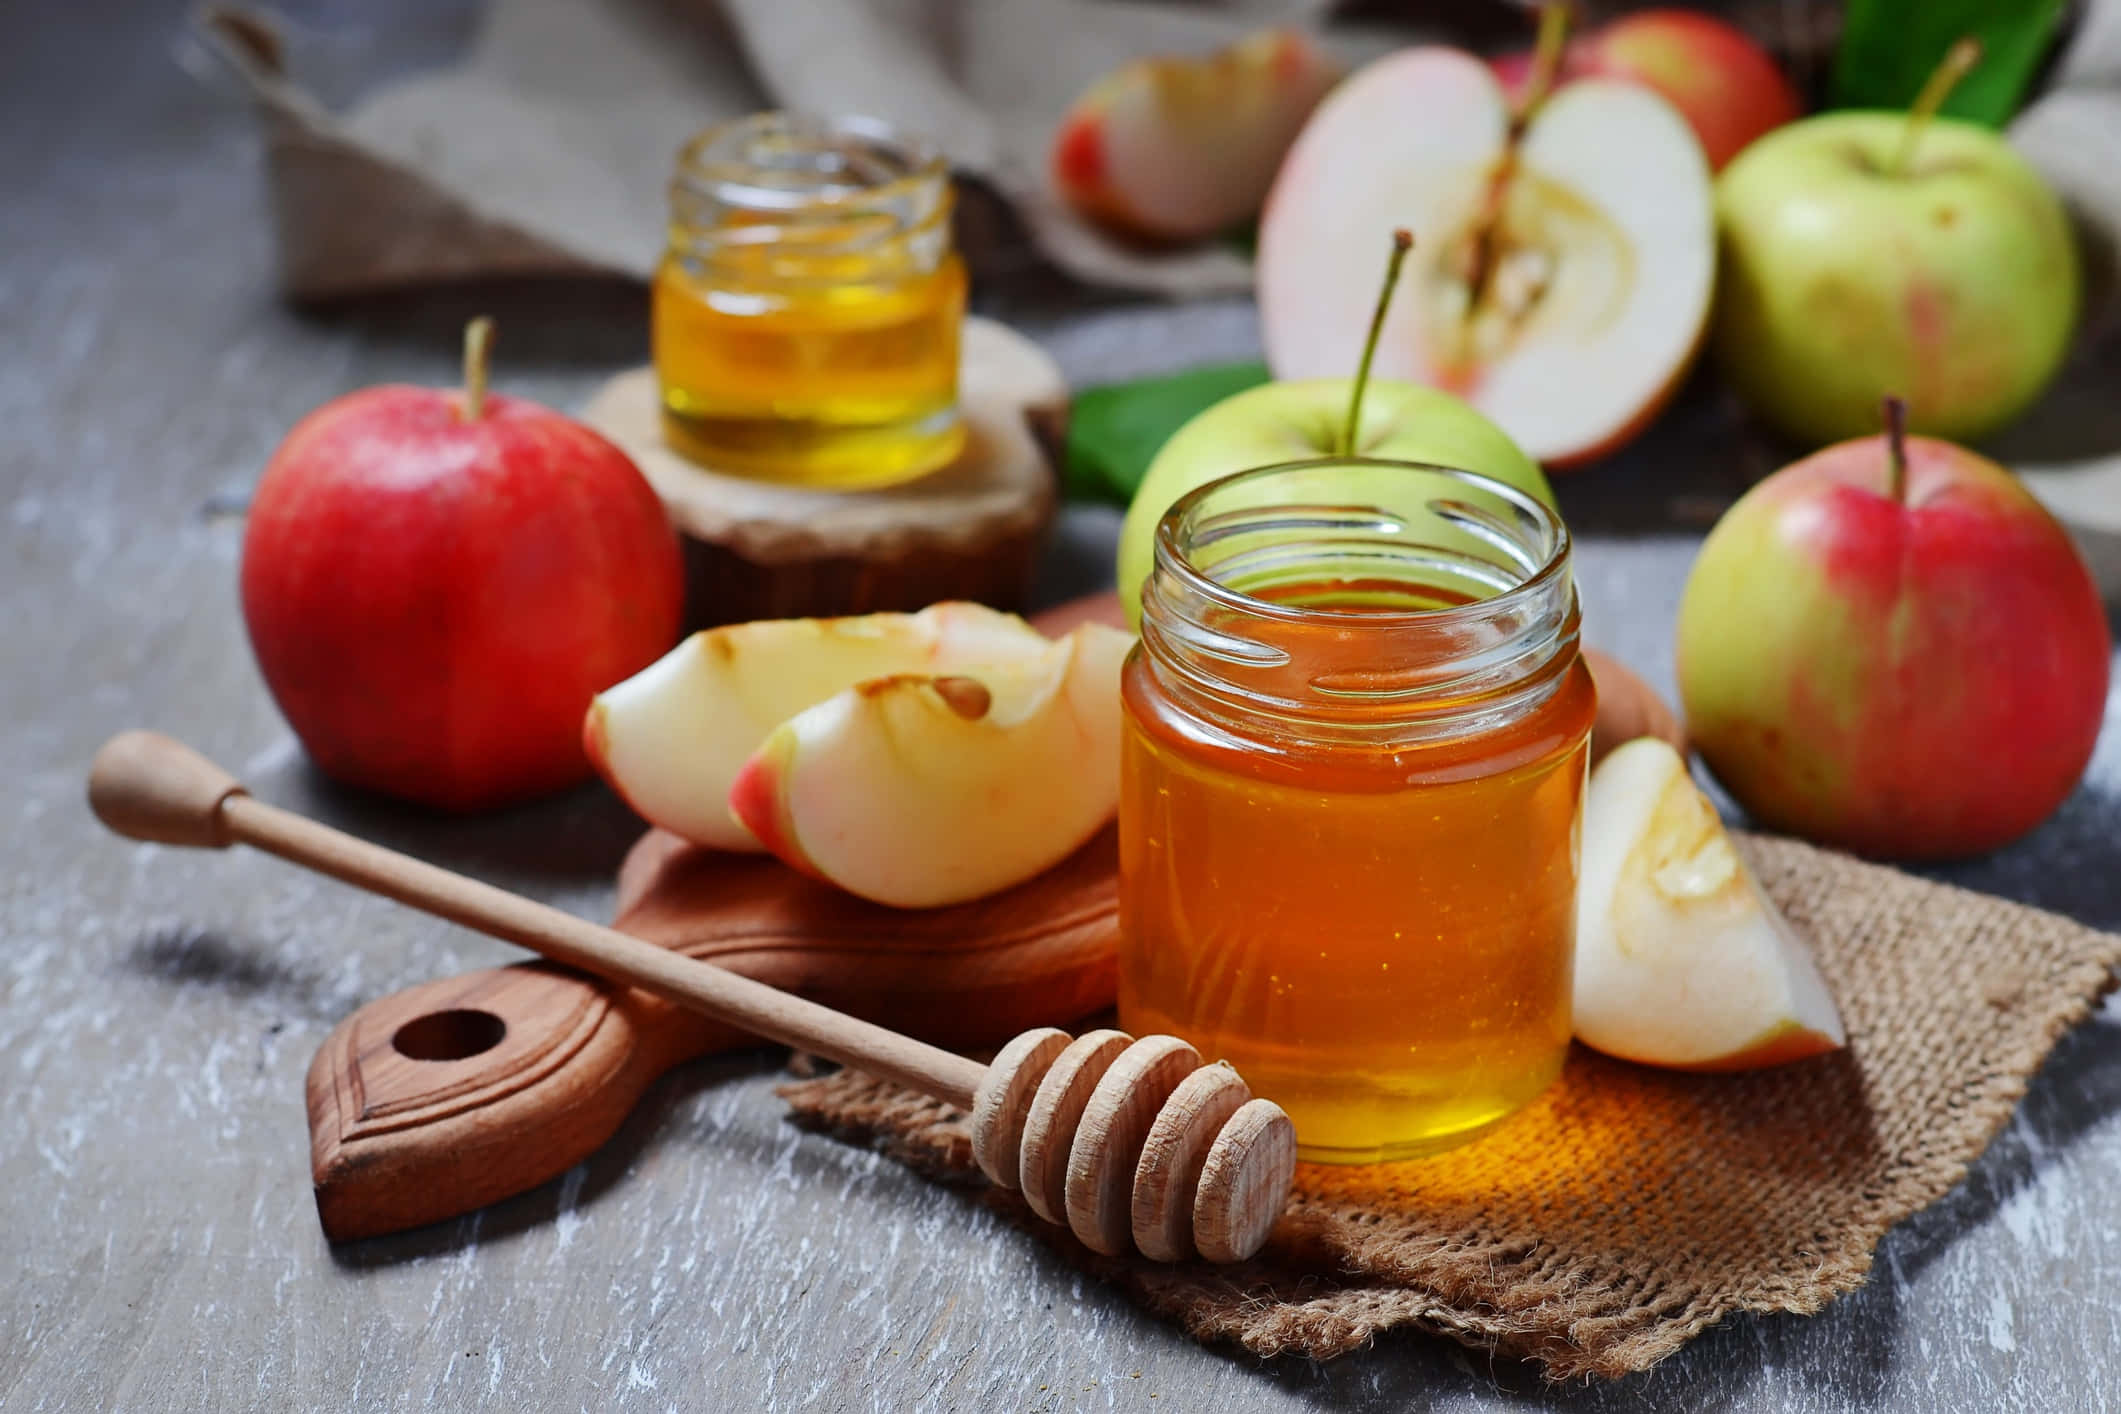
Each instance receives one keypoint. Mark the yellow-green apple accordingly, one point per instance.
(1893, 649)
(435, 582)
(1178, 149)
(1725, 85)
(923, 790)
(1565, 257)
(1681, 960)
(1875, 253)
(1314, 418)
(672, 738)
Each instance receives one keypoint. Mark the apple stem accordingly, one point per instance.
(1402, 242)
(1479, 261)
(478, 348)
(1896, 447)
(1547, 53)
(1958, 61)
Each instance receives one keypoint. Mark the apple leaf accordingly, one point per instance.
(1889, 47)
(1115, 431)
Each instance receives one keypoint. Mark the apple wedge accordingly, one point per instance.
(1179, 149)
(925, 790)
(671, 738)
(1681, 960)
(1562, 273)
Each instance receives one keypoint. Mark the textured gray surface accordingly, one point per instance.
(157, 1009)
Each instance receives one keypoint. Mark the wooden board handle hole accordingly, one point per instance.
(449, 1035)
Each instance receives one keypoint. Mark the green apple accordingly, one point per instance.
(1874, 253)
(1286, 422)
(1319, 418)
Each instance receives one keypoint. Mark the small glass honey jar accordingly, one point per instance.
(1356, 742)
(807, 310)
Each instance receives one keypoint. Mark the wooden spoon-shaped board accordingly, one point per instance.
(457, 1093)
(454, 1094)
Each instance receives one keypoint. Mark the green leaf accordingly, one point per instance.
(1888, 47)
(1115, 431)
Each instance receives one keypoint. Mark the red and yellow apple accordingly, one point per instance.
(1681, 959)
(672, 738)
(1179, 149)
(923, 790)
(1562, 267)
(436, 582)
(1725, 85)
(1901, 655)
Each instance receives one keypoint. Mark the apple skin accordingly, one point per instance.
(1726, 86)
(433, 600)
(1955, 287)
(1301, 420)
(1917, 680)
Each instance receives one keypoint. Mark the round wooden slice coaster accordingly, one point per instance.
(758, 550)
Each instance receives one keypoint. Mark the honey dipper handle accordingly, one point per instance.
(151, 787)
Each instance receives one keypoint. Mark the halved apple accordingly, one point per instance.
(1561, 286)
(1681, 960)
(1178, 149)
(671, 738)
(925, 790)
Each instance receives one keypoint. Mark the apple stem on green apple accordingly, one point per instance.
(1896, 447)
(1402, 242)
(1958, 61)
(478, 348)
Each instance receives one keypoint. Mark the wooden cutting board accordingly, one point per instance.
(454, 1094)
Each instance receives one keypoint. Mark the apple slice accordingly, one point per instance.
(671, 738)
(1681, 960)
(1562, 273)
(1178, 149)
(920, 791)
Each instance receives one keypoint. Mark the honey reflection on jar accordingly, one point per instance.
(1355, 749)
(807, 311)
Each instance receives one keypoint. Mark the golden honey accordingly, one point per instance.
(1356, 744)
(807, 311)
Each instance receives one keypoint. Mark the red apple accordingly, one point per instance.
(437, 582)
(1725, 85)
(1895, 650)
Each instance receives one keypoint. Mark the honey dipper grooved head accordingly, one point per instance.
(1122, 1139)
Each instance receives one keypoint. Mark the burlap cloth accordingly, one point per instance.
(1630, 1208)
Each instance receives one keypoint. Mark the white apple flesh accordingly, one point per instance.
(921, 791)
(1681, 960)
(672, 738)
(1603, 256)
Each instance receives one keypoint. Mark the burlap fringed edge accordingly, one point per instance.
(1558, 1311)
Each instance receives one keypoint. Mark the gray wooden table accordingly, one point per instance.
(158, 1249)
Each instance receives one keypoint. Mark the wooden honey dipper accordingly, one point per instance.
(1132, 1144)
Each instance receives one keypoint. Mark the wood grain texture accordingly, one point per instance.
(157, 1017)
(396, 1142)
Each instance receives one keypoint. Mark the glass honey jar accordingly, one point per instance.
(1356, 743)
(806, 313)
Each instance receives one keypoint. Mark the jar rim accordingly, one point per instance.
(700, 170)
(1181, 516)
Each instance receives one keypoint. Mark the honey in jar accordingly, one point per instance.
(1356, 744)
(806, 313)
